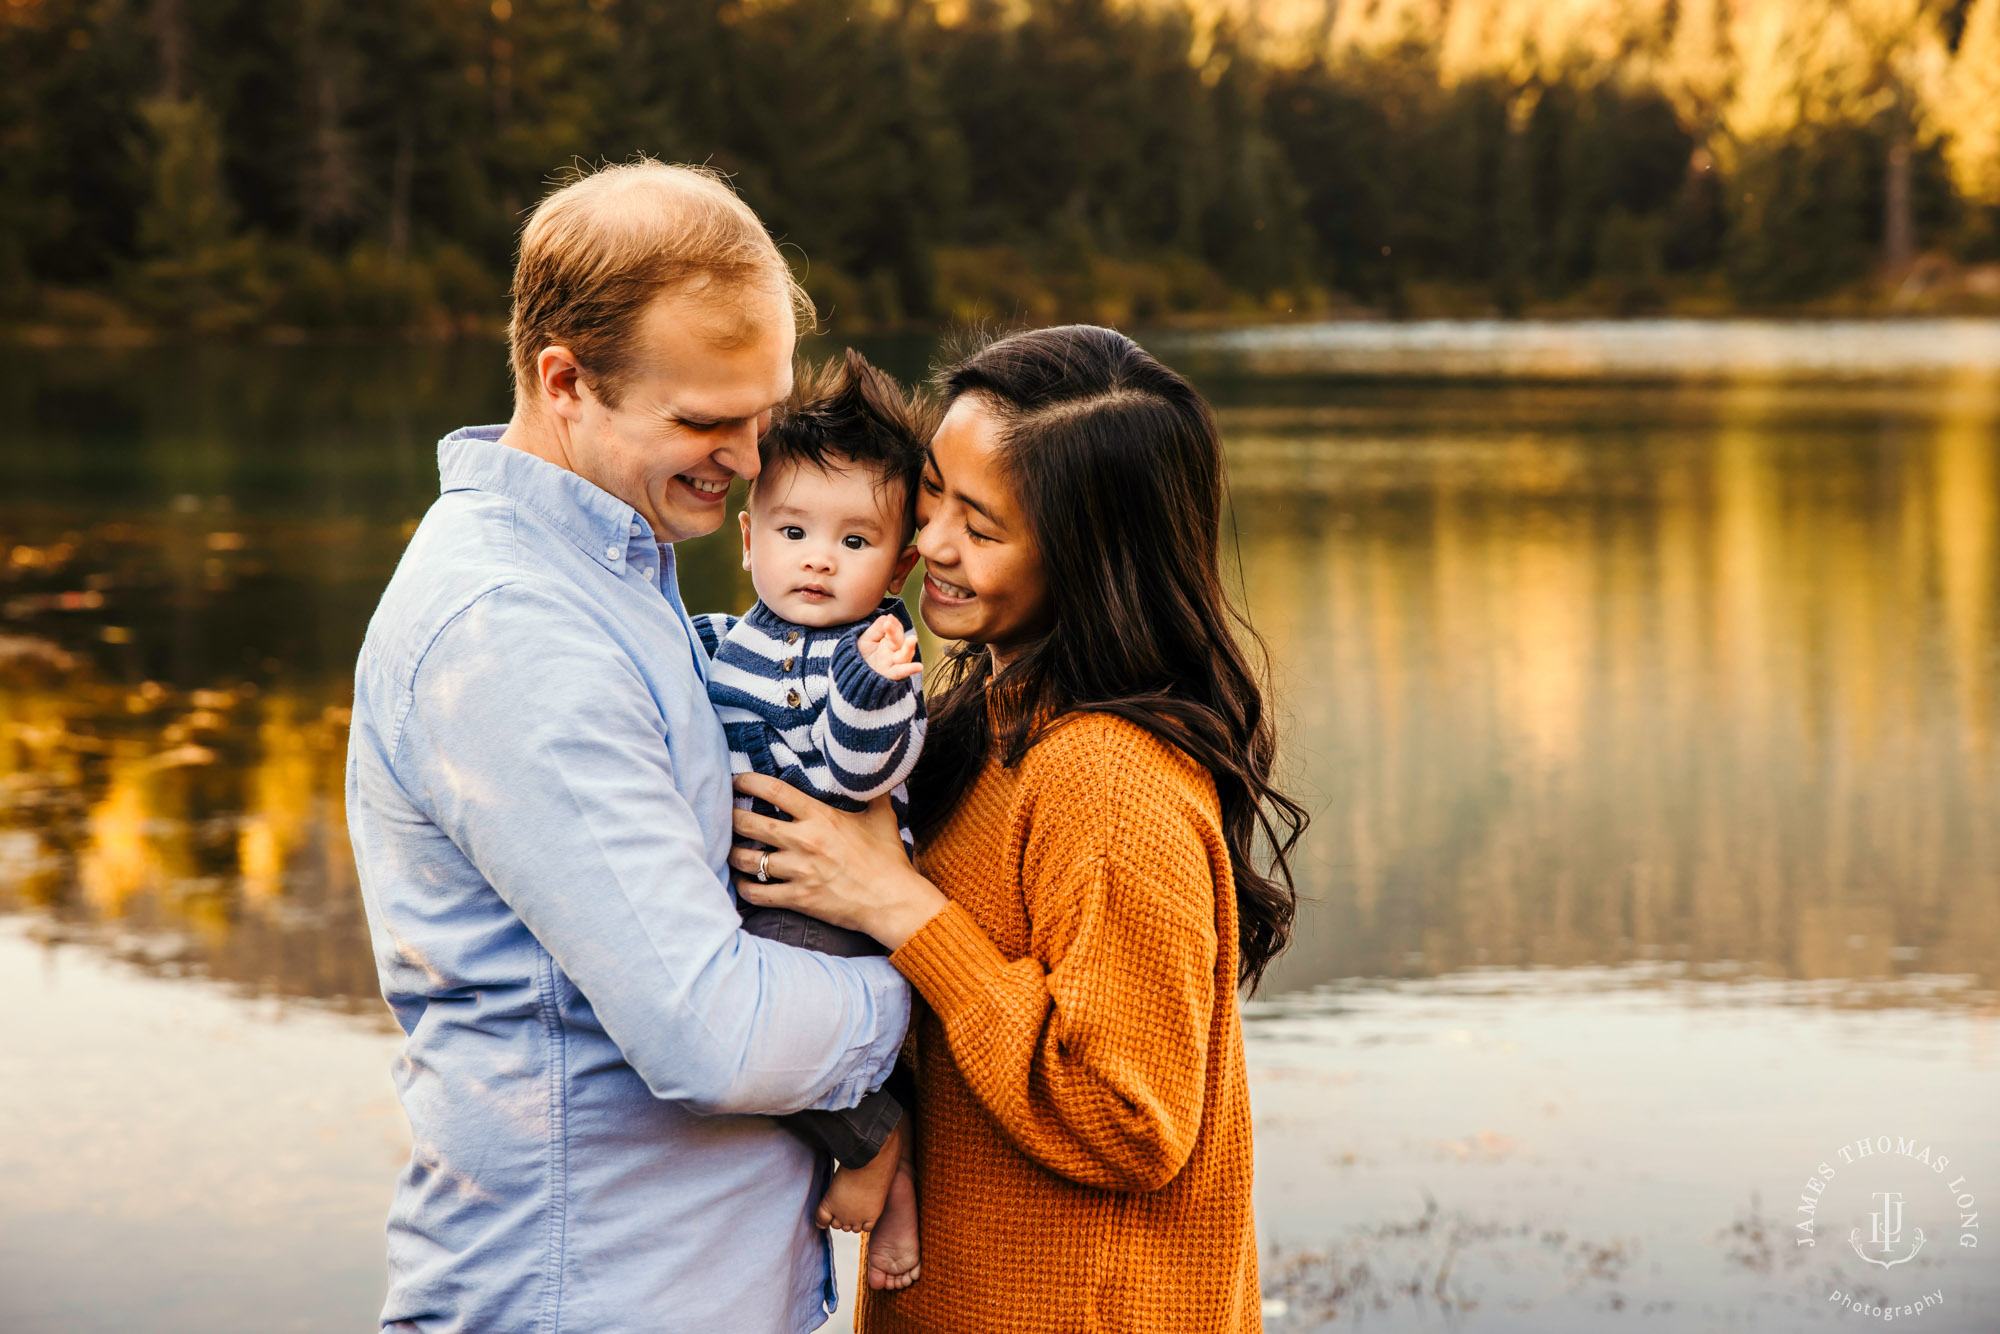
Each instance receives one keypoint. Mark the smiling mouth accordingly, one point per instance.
(713, 490)
(950, 592)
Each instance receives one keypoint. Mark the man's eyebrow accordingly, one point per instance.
(693, 418)
(666, 412)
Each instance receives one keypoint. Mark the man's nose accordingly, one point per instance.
(739, 455)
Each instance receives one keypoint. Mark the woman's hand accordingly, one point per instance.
(845, 869)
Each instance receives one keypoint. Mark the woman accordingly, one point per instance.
(1089, 806)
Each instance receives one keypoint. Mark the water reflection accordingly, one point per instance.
(1598, 349)
(1564, 1152)
(204, 828)
(1591, 675)
(1694, 674)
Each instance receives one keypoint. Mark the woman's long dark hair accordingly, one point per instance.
(1117, 465)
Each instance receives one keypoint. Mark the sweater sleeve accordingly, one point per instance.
(1091, 1050)
(871, 729)
(710, 629)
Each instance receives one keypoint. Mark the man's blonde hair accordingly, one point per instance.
(600, 249)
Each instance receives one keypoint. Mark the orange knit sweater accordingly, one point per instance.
(1083, 1119)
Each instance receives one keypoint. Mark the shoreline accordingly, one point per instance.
(129, 337)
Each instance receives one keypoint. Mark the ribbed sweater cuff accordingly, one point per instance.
(949, 961)
(860, 684)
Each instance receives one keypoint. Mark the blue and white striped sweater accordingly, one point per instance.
(803, 705)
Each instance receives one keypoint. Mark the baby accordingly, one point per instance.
(819, 684)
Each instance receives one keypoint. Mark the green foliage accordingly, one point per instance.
(1805, 217)
(366, 164)
(1526, 194)
(188, 211)
(193, 268)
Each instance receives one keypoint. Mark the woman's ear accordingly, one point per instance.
(904, 564)
(743, 523)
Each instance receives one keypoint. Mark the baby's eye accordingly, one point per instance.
(854, 542)
(793, 532)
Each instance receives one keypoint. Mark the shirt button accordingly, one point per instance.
(611, 553)
(646, 570)
(635, 527)
(786, 665)
(791, 636)
(791, 699)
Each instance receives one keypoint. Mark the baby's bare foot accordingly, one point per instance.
(892, 1245)
(855, 1196)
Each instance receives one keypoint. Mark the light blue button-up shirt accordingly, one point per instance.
(538, 794)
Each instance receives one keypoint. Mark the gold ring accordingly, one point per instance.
(764, 869)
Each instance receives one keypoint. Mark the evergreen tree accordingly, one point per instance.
(224, 163)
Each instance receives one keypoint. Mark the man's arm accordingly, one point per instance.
(536, 747)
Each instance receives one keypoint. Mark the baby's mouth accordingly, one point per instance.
(813, 591)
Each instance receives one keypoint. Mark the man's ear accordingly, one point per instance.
(743, 522)
(904, 564)
(560, 381)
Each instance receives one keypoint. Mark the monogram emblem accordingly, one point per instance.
(1886, 1231)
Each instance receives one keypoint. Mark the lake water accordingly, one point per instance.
(1644, 681)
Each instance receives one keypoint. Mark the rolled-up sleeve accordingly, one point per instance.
(536, 746)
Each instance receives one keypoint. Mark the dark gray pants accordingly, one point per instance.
(855, 1135)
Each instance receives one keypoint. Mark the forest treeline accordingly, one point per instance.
(223, 165)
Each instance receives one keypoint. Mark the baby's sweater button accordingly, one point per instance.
(791, 699)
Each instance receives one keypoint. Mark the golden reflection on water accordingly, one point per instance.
(188, 830)
(208, 827)
(1699, 674)
(1602, 674)
(193, 830)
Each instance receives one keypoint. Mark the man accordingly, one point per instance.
(538, 794)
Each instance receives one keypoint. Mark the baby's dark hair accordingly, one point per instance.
(849, 412)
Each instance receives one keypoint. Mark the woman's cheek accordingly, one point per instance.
(979, 577)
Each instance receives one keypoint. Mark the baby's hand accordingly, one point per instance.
(888, 650)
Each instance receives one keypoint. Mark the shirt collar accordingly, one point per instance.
(473, 459)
